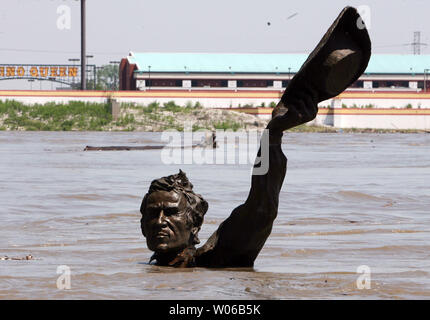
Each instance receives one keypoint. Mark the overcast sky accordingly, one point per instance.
(29, 31)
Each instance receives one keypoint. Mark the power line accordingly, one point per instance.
(56, 51)
(392, 45)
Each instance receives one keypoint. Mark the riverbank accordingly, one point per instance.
(81, 116)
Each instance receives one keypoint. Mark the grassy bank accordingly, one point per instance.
(80, 116)
(54, 117)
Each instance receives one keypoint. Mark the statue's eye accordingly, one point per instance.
(171, 211)
(152, 211)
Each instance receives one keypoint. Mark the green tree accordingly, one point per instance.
(108, 77)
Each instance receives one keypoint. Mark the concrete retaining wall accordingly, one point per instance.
(415, 119)
(222, 98)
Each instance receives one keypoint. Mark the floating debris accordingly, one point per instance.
(210, 141)
(27, 257)
(122, 148)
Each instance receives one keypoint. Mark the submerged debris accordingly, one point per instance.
(27, 257)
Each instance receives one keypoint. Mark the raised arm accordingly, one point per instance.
(338, 60)
(242, 235)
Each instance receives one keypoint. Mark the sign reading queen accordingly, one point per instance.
(59, 73)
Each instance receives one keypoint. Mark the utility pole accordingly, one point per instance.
(83, 49)
(74, 78)
(149, 78)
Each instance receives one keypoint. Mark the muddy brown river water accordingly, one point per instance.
(348, 200)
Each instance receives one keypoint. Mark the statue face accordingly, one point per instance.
(165, 223)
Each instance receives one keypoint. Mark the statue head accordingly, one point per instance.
(172, 214)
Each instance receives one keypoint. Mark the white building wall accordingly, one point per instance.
(418, 122)
(323, 120)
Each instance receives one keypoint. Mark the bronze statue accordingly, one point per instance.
(172, 213)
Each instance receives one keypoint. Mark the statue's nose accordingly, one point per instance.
(161, 218)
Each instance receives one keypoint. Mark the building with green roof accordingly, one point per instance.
(143, 71)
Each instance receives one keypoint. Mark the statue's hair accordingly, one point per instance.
(180, 184)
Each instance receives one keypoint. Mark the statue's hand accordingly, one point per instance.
(295, 111)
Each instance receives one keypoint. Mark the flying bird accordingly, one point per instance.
(292, 16)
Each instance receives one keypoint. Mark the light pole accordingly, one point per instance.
(149, 78)
(86, 65)
(31, 83)
(74, 60)
(83, 48)
(88, 57)
(426, 71)
(96, 75)
(114, 84)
